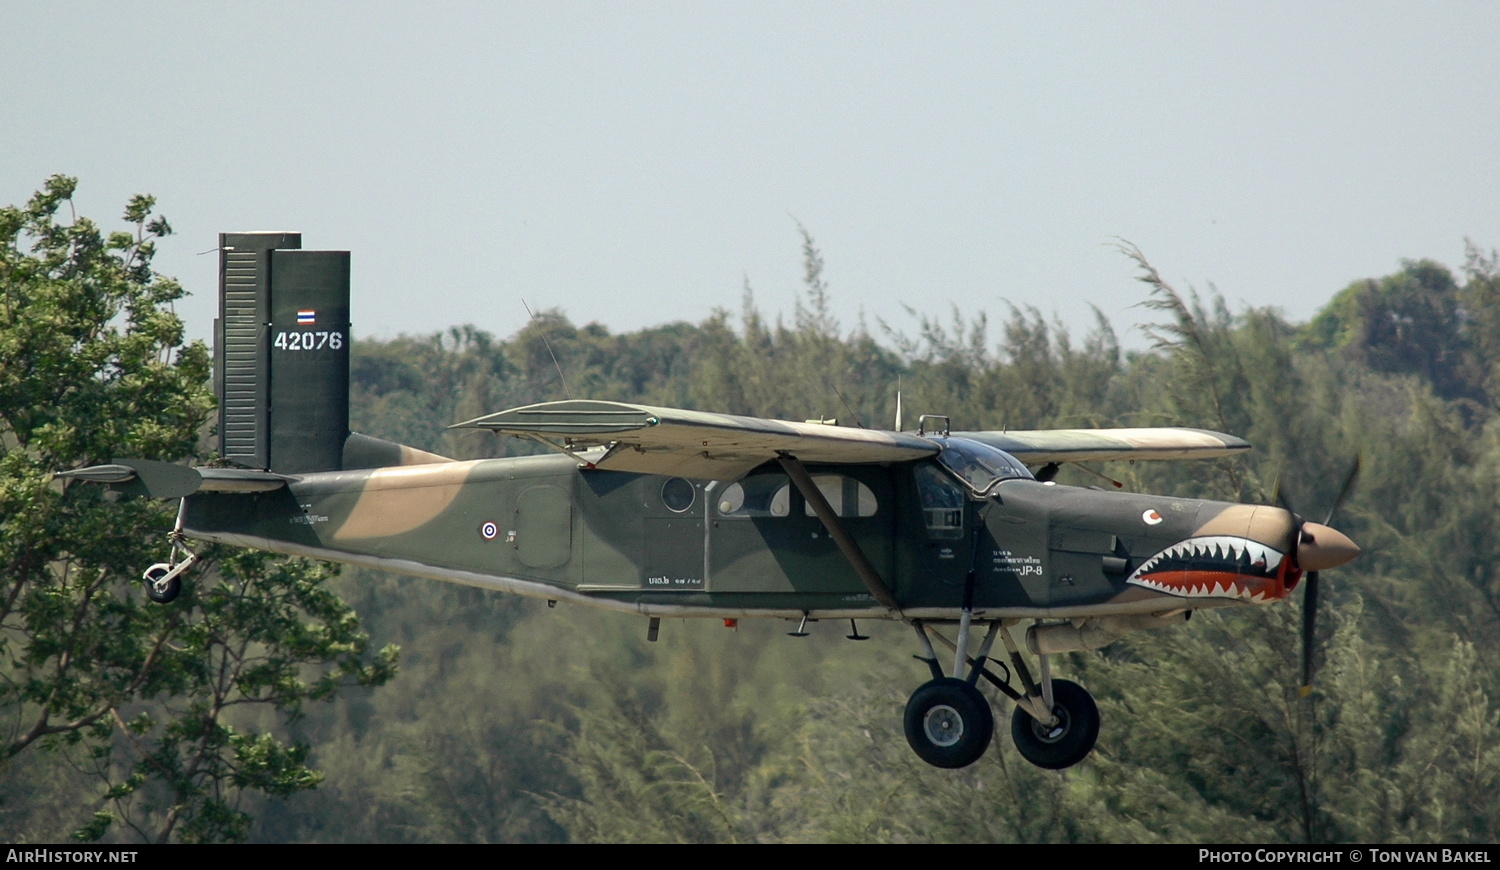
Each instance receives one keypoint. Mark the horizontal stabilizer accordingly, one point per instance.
(1041, 446)
(100, 474)
(650, 440)
(240, 480)
(166, 480)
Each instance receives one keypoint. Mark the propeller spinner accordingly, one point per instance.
(1317, 547)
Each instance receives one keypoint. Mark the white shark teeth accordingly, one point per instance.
(1224, 548)
(1215, 553)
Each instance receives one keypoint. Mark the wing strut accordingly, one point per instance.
(847, 545)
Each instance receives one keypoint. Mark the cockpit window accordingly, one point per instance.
(942, 503)
(980, 466)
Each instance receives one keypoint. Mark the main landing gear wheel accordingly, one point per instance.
(161, 593)
(949, 723)
(1066, 743)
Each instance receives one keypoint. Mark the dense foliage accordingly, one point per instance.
(510, 721)
(123, 719)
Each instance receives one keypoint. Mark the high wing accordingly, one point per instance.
(670, 441)
(1039, 447)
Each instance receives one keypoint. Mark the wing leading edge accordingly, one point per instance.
(671, 441)
(1042, 446)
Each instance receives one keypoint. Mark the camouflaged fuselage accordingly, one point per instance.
(544, 526)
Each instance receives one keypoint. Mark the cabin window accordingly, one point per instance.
(847, 496)
(770, 495)
(761, 495)
(678, 494)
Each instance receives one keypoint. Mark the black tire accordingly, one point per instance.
(1068, 742)
(949, 723)
(166, 595)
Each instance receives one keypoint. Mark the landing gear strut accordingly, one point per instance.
(949, 722)
(164, 579)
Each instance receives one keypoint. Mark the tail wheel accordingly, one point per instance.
(161, 593)
(1070, 740)
(949, 723)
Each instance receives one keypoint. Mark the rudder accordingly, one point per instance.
(281, 370)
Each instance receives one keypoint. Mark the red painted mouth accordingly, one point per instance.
(1219, 566)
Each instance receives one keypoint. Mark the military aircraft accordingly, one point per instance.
(664, 512)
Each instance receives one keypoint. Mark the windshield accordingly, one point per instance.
(980, 466)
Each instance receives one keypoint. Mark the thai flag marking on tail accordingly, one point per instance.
(306, 316)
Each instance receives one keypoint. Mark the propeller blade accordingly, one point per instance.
(1309, 628)
(1297, 521)
(1344, 490)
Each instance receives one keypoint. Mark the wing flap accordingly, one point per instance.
(651, 440)
(699, 465)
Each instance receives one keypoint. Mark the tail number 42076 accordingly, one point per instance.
(309, 340)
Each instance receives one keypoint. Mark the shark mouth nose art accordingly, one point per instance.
(1218, 566)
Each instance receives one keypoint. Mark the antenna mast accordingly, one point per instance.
(898, 403)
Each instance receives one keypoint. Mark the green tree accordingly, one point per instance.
(144, 698)
(1481, 317)
(1417, 321)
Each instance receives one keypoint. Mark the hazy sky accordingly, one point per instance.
(635, 163)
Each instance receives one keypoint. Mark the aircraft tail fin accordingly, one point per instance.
(282, 353)
(281, 367)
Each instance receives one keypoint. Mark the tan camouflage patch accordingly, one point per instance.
(397, 500)
(1268, 525)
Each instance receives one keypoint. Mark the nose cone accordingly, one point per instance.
(1323, 547)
